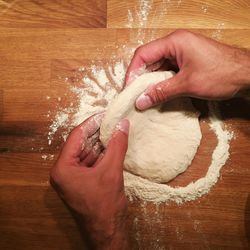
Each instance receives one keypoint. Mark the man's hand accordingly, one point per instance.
(206, 69)
(91, 182)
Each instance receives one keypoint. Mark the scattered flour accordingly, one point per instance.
(130, 19)
(59, 121)
(99, 85)
(204, 8)
(217, 33)
(144, 10)
(48, 157)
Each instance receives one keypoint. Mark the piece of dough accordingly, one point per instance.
(162, 140)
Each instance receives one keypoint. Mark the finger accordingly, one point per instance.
(161, 92)
(144, 69)
(117, 147)
(151, 53)
(89, 144)
(155, 66)
(77, 139)
(136, 73)
(99, 159)
(169, 64)
(92, 124)
(93, 155)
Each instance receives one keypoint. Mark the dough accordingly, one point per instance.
(162, 140)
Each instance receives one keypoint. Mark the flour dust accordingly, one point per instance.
(100, 84)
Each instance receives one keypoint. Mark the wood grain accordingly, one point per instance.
(43, 43)
(233, 14)
(56, 14)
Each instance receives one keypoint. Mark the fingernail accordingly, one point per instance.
(123, 126)
(143, 102)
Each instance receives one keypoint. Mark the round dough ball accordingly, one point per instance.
(163, 140)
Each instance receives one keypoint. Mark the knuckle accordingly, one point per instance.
(159, 93)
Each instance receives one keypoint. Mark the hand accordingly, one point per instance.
(90, 181)
(207, 69)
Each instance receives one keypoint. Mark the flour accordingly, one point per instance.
(48, 157)
(130, 19)
(99, 85)
(204, 7)
(217, 33)
(59, 121)
(144, 10)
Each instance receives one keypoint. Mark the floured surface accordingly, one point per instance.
(92, 98)
(36, 64)
(162, 140)
(135, 187)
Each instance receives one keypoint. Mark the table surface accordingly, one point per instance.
(41, 41)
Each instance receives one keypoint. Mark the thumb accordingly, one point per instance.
(78, 137)
(117, 147)
(161, 92)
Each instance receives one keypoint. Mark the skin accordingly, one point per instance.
(90, 179)
(206, 68)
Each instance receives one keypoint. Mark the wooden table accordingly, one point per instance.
(41, 40)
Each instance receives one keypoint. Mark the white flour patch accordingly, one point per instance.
(130, 19)
(217, 34)
(48, 157)
(59, 121)
(144, 10)
(97, 88)
(204, 8)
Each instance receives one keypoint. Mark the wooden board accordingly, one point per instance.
(38, 50)
(53, 14)
(233, 14)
